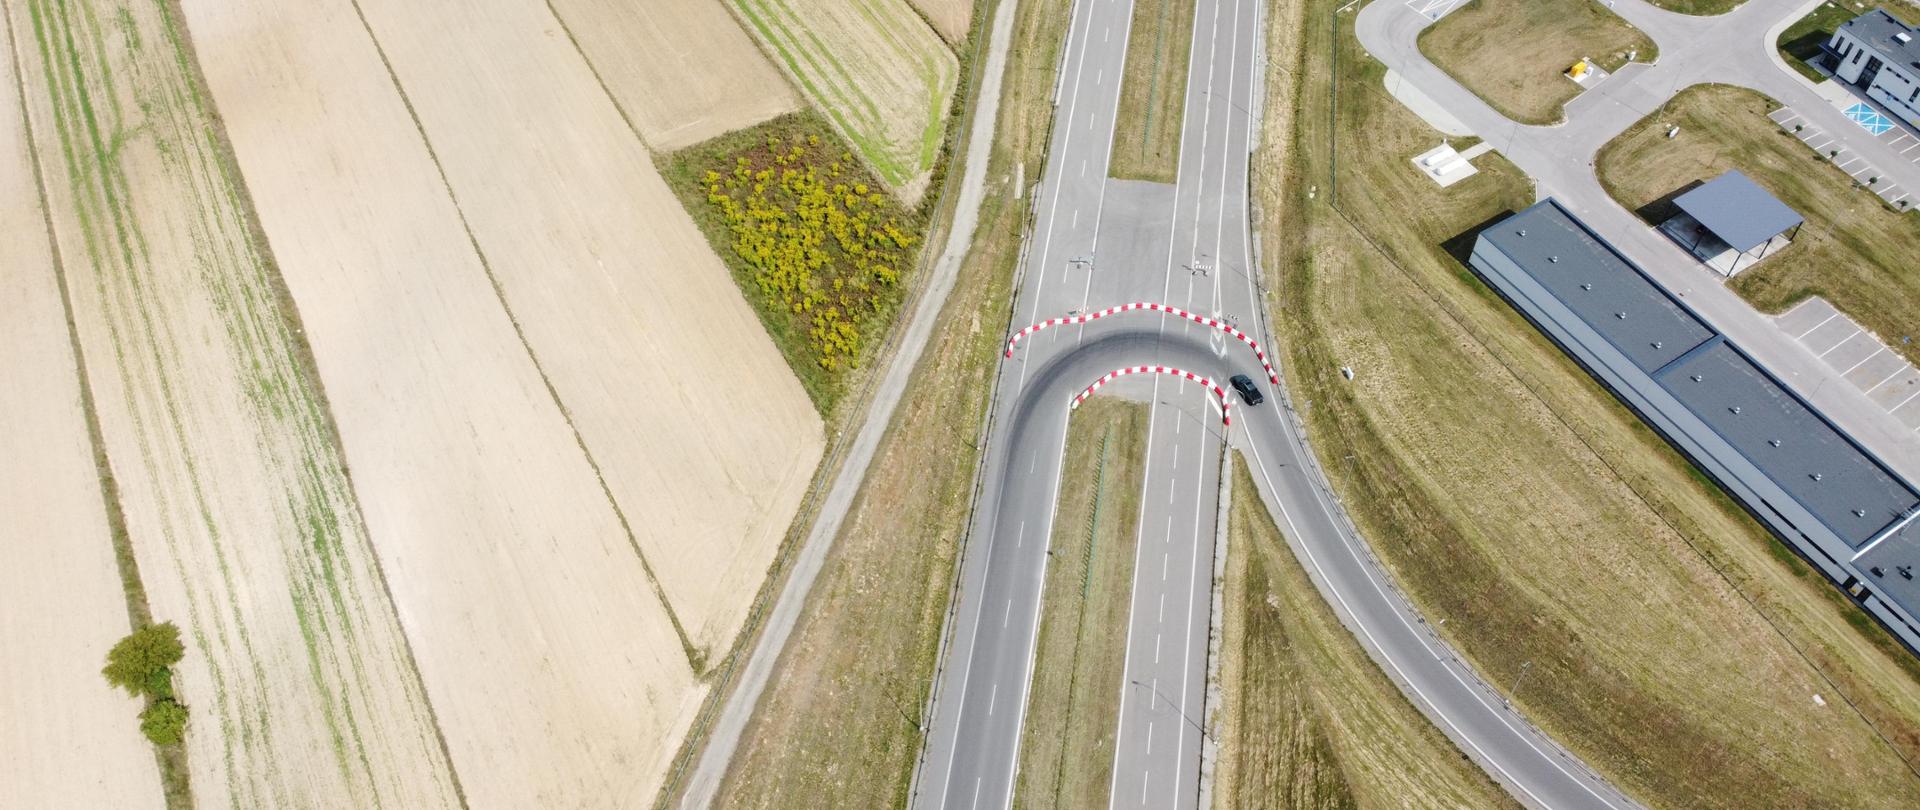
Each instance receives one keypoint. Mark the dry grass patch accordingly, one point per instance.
(61, 602)
(1670, 641)
(1308, 720)
(841, 726)
(236, 499)
(683, 71)
(1067, 746)
(1853, 250)
(875, 69)
(1513, 53)
(1153, 92)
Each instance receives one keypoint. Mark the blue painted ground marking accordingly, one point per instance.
(1869, 119)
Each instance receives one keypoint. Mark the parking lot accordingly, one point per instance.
(1862, 358)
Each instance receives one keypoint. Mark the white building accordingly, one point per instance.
(1881, 54)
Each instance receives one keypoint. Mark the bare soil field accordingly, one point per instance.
(68, 739)
(701, 433)
(683, 71)
(949, 17)
(237, 504)
(553, 667)
(875, 68)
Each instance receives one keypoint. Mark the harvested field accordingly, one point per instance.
(1537, 40)
(1067, 745)
(1307, 720)
(874, 616)
(236, 501)
(696, 425)
(950, 17)
(68, 740)
(488, 507)
(682, 72)
(874, 67)
(1668, 640)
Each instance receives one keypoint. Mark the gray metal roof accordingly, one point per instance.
(1852, 494)
(1880, 31)
(1738, 210)
(1601, 288)
(1727, 412)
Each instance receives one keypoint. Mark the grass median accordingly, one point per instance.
(1514, 54)
(1153, 91)
(1668, 640)
(1066, 751)
(1308, 720)
(1853, 250)
(840, 726)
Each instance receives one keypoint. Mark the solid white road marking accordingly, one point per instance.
(1889, 377)
(1004, 617)
(993, 698)
(1843, 342)
(1836, 314)
(1903, 402)
(1863, 360)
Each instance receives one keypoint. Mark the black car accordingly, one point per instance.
(1249, 392)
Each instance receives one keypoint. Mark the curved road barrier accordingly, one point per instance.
(1215, 323)
(1226, 416)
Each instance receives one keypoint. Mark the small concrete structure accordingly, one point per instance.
(1881, 55)
(1730, 223)
(1444, 165)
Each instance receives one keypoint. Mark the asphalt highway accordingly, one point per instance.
(1098, 243)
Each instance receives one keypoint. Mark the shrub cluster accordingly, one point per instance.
(821, 244)
(142, 663)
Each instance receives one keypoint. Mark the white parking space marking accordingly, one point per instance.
(1863, 360)
(1823, 322)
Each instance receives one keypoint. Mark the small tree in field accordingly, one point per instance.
(164, 722)
(142, 663)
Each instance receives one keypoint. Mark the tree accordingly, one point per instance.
(142, 662)
(164, 722)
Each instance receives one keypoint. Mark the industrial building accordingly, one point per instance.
(1879, 53)
(1799, 474)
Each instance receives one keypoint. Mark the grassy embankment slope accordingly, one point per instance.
(1308, 720)
(1853, 250)
(840, 727)
(1514, 53)
(1066, 753)
(1670, 642)
(1146, 138)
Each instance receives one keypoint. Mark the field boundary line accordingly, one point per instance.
(132, 587)
(694, 655)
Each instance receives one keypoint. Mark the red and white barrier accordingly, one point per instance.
(1162, 308)
(1226, 415)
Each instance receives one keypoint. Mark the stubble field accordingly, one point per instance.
(950, 17)
(68, 740)
(881, 75)
(683, 72)
(527, 344)
(235, 499)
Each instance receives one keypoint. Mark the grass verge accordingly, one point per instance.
(1066, 752)
(1153, 91)
(1853, 250)
(1699, 8)
(1514, 53)
(841, 726)
(1668, 640)
(1309, 721)
(1801, 42)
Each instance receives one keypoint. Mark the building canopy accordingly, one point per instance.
(1738, 211)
